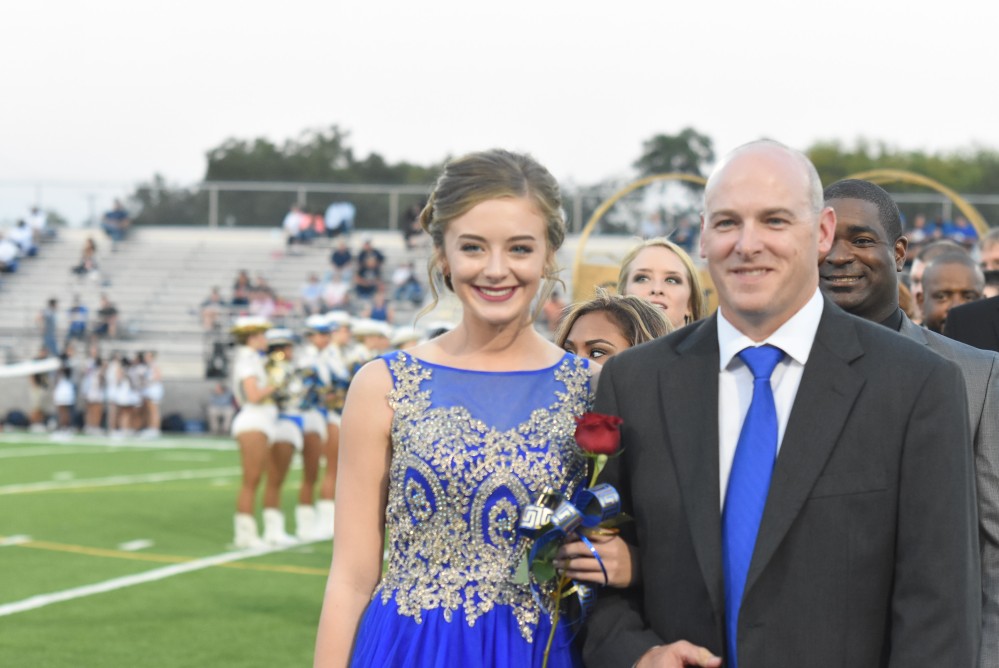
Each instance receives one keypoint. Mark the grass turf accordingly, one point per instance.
(80, 501)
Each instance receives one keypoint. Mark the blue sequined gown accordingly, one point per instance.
(470, 449)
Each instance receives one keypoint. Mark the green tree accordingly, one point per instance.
(973, 171)
(160, 203)
(315, 156)
(688, 152)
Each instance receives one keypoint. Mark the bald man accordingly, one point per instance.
(791, 512)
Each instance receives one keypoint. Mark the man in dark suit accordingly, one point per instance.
(860, 274)
(861, 529)
(976, 324)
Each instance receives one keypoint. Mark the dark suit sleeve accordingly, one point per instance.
(975, 323)
(936, 600)
(958, 327)
(987, 476)
(616, 632)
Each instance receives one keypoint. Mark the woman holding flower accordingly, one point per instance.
(598, 329)
(445, 444)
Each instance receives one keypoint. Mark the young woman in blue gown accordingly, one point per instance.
(444, 444)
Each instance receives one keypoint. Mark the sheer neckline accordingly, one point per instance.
(436, 365)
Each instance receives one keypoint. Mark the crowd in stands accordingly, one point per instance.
(302, 226)
(73, 388)
(117, 393)
(354, 283)
(23, 239)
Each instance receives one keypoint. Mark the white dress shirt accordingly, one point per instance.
(735, 380)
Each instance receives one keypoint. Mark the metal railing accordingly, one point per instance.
(263, 203)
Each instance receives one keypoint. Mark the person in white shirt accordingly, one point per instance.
(801, 480)
(255, 424)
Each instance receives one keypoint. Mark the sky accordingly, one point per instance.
(99, 96)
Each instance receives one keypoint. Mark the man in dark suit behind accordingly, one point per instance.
(976, 324)
(860, 274)
(866, 551)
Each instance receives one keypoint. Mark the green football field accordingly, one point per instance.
(117, 553)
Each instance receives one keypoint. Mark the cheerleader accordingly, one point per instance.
(92, 389)
(254, 425)
(152, 394)
(110, 377)
(64, 398)
(126, 398)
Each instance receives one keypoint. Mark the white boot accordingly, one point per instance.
(246, 532)
(324, 520)
(305, 521)
(274, 533)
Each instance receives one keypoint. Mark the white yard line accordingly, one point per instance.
(44, 452)
(169, 476)
(131, 442)
(43, 600)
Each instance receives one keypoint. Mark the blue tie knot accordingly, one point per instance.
(762, 360)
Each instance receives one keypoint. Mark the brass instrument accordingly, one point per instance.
(279, 376)
(337, 393)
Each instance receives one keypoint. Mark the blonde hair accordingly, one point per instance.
(697, 304)
(487, 175)
(636, 319)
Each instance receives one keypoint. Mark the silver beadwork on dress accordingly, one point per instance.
(456, 487)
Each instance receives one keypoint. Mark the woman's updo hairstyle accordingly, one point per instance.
(486, 175)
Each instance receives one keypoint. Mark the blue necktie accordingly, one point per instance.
(748, 484)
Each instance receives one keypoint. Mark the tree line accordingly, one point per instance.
(324, 155)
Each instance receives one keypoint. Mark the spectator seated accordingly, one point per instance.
(116, 223)
(339, 219)
(9, 253)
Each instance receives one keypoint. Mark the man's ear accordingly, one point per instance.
(827, 230)
(700, 237)
(901, 246)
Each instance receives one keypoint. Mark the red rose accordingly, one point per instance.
(598, 434)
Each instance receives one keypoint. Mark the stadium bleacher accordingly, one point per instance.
(158, 278)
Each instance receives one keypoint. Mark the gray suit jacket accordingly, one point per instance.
(867, 554)
(981, 377)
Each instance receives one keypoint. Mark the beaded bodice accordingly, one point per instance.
(470, 449)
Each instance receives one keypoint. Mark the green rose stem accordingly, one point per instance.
(558, 609)
(599, 461)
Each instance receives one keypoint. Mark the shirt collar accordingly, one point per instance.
(794, 337)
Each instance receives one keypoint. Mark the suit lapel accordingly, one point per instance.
(913, 331)
(825, 398)
(693, 438)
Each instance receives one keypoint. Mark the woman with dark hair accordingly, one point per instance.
(607, 324)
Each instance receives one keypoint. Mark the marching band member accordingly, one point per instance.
(335, 356)
(288, 439)
(374, 338)
(255, 424)
(404, 338)
(316, 371)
